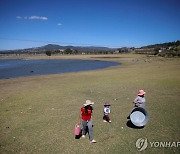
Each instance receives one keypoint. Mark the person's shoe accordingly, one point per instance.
(83, 136)
(93, 141)
(104, 121)
(109, 121)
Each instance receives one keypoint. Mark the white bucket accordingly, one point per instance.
(139, 116)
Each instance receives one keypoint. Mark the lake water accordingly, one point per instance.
(14, 68)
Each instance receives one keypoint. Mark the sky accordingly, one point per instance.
(109, 23)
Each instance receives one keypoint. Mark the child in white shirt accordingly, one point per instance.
(106, 112)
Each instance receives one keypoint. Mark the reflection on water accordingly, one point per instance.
(20, 68)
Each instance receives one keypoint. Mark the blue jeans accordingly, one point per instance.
(84, 130)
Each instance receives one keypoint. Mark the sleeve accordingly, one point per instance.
(104, 110)
(137, 99)
(82, 109)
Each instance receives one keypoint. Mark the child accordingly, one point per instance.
(140, 100)
(106, 112)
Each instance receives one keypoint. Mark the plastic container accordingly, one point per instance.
(77, 130)
(139, 116)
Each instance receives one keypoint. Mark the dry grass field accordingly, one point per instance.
(38, 114)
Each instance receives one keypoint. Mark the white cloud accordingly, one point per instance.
(19, 17)
(33, 18)
(59, 24)
(38, 18)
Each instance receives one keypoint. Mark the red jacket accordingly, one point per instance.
(86, 116)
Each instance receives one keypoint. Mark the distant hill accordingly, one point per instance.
(169, 49)
(164, 45)
(172, 48)
(54, 47)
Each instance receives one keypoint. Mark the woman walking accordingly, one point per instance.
(86, 117)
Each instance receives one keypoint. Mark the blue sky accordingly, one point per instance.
(110, 23)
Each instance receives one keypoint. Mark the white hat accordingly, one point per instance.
(88, 102)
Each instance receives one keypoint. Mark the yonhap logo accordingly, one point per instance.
(141, 144)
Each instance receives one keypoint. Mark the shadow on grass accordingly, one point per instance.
(78, 136)
(131, 125)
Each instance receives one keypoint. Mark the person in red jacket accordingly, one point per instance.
(86, 117)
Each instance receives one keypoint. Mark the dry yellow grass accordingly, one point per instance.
(38, 114)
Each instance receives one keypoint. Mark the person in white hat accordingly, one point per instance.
(86, 117)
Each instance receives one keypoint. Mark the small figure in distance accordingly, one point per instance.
(106, 111)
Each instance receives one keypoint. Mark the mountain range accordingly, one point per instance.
(91, 49)
(55, 47)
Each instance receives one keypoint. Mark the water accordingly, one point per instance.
(14, 68)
